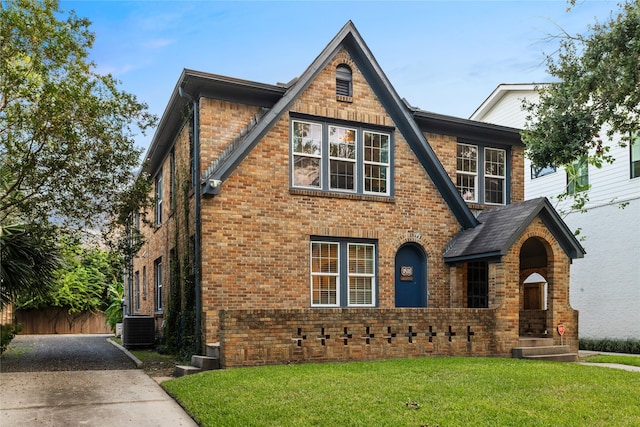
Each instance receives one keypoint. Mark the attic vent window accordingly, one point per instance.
(344, 88)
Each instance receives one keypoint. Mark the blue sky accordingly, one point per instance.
(442, 56)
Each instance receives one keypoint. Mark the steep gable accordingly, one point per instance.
(349, 39)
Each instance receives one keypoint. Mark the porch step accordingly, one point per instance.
(182, 370)
(535, 342)
(205, 363)
(209, 362)
(213, 350)
(557, 353)
(564, 357)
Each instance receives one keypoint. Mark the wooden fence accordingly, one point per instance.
(59, 321)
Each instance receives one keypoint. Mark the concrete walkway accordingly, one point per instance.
(61, 392)
(630, 368)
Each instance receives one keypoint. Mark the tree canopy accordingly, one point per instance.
(66, 132)
(27, 264)
(598, 90)
(81, 281)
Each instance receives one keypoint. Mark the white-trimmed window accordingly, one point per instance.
(376, 162)
(343, 274)
(157, 265)
(342, 158)
(325, 274)
(307, 154)
(467, 172)
(494, 176)
(329, 157)
(158, 199)
(361, 260)
(481, 175)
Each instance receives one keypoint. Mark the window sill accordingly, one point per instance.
(343, 98)
(337, 195)
(480, 206)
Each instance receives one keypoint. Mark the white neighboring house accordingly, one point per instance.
(605, 285)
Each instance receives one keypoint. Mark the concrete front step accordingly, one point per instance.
(562, 357)
(201, 363)
(205, 363)
(182, 370)
(213, 350)
(538, 351)
(535, 342)
(520, 352)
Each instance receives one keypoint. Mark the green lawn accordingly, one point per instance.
(413, 392)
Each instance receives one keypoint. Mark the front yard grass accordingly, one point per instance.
(413, 392)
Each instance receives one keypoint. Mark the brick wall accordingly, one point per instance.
(262, 337)
(256, 232)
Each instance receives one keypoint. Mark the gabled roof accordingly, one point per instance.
(274, 101)
(350, 39)
(466, 129)
(498, 93)
(500, 227)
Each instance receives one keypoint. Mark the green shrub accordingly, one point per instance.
(630, 346)
(7, 333)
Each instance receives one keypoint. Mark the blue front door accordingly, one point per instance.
(411, 274)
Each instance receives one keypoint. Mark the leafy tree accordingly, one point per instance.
(598, 90)
(27, 264)
(66, 132)
(83, 281)
(113, 313)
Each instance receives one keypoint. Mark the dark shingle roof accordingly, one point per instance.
(500, 227)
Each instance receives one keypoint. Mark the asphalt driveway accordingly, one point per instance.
(79, 380)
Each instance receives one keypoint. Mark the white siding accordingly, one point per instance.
(605, 285)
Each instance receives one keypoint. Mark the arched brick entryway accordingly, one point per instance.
(535, 289)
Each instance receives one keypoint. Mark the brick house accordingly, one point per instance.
(333, 221)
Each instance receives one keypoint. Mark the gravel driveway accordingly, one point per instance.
(40, 353)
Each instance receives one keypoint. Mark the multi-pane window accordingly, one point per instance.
(481, 174)
(361, 274)
(157, 265)
(325, 278)
(307, 154)
(477, 285)
(343, 81)
(136, 285)
(343, 274)
(158, 199)
(635, 158)
(340, 158)
(494, 176)
(578, 176)
(467, 171)
(376, 162)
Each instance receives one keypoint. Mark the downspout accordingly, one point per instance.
(197, 256)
